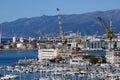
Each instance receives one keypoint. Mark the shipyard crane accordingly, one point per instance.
(60, 25)
(108, 29)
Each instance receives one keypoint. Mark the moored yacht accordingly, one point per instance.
(10, 77)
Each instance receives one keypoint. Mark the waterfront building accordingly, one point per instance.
(30, 46)
(118, 44)
(14, 39)
(72, 45)
(93, 43)
(118, 41)
(21, 39)
(7, 46)
(113, 56)
(47, 53)
(20, 45)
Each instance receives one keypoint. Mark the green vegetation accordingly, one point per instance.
(59, 57)
(103, 59)
(95, 59)
(92, 58)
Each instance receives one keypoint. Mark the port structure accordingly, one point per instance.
(108, 29)
(60, 25)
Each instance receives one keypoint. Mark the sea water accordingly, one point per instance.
(11, 57)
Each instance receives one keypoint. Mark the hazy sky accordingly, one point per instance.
(13, 9)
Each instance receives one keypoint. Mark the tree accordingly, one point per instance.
(93, 60)
(59, 57)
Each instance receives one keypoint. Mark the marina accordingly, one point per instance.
(57, 61)
(69, 72)
(30, 68)
(70, 56)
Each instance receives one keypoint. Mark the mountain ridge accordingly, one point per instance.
(86, 23)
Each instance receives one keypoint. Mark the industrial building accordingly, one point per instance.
(113, 56)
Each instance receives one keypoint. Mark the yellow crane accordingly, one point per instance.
(108, 29)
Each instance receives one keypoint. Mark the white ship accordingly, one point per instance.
(10, 77)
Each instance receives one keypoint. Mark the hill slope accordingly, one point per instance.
(86, 23)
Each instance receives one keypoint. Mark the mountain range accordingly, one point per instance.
(86, 23)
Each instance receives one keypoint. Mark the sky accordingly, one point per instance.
(11, 10)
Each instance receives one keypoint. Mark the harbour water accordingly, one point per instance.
(96, 52)
(11, 57)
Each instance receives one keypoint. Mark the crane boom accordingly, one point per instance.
(102, 22)
(60, 25)
(108, 29)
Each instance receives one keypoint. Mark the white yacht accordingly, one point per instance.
(10, 77)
